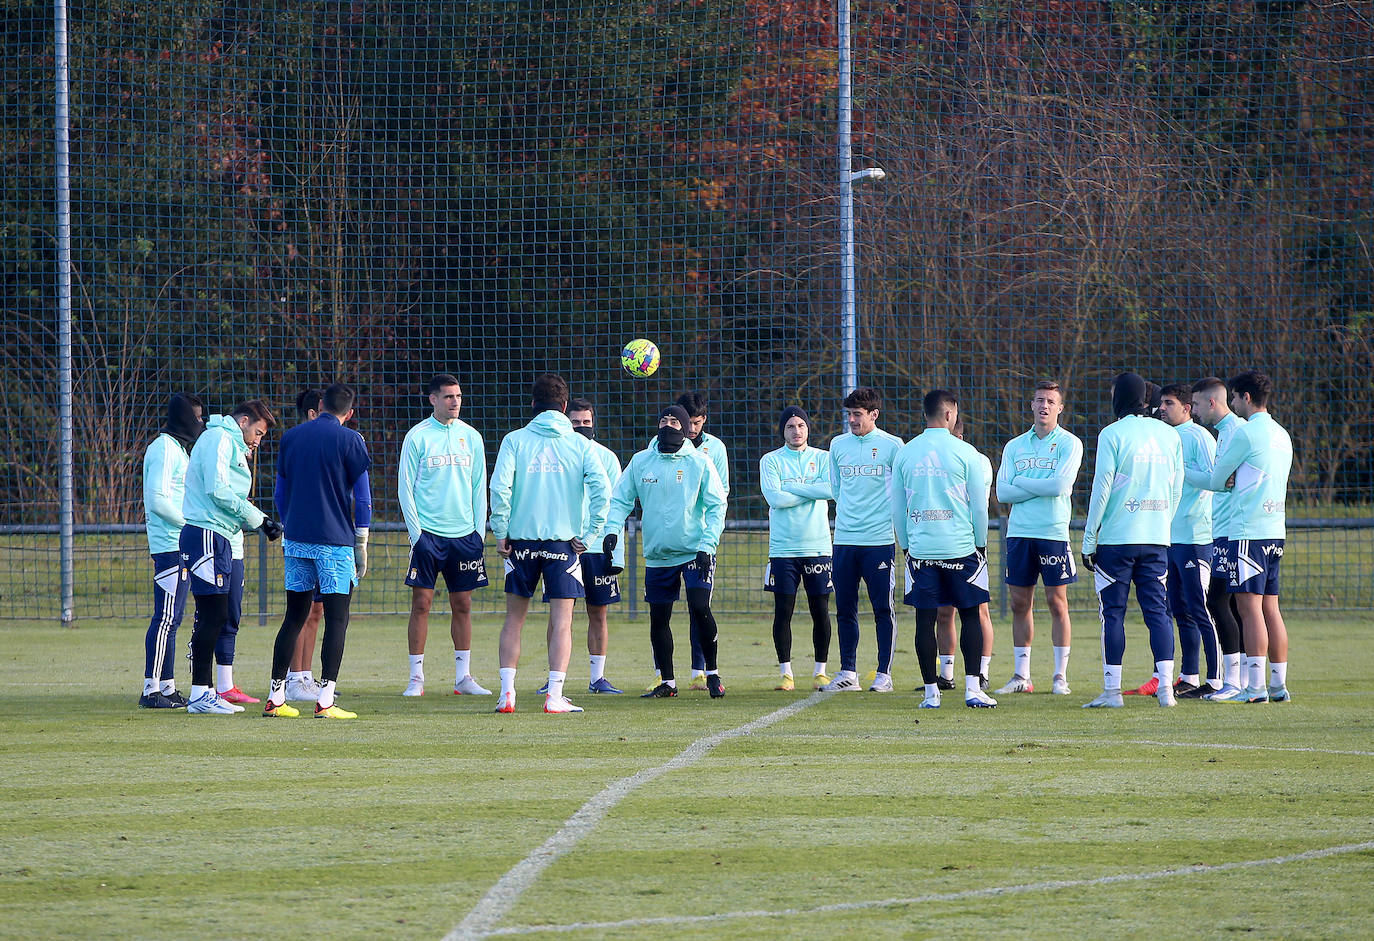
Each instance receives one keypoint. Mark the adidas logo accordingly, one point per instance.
(1190, 565)
(881, 566)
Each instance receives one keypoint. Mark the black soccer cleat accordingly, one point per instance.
(176, 698)
(155, 700)
(1189, 691)
(714, 684)
(940, 683)
(661, 691)
(982, 682)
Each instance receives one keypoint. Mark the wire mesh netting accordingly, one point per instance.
(271, 196)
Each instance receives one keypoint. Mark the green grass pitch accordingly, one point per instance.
(849, 817)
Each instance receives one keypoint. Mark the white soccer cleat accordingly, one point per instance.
(1107, 699)
(507, 703)
(931, 702)
(844, 683)
(302, 690)
(467, 686)
(416, 687)
(209, 704)
(558, 705)
(979, 700)
(1165, 695)
(1060, 686)
(882, 683)
(1017, 684)
(233, 706)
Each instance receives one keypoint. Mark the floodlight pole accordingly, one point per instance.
(62, 162)
(849, 330)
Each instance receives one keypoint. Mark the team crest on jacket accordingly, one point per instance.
(875, 454)
(679, 476)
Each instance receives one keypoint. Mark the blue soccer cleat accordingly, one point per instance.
(603, 685)
(1279, 694)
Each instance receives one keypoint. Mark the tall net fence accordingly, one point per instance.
(268, 196)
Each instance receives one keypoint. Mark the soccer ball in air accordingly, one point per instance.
(640, 358)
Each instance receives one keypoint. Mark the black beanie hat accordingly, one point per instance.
(791, 412)
(680, 413)
(1128, 395)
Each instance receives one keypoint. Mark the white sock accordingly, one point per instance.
(849, 674)
(983, 663)
(785, 668)
(224, 677)
(277, 695)
(169, 687)
(697, 673)
(461, 665)
(973, 685)
(294, 676)
(1021, 662)
(1256, 672)
(1244, 676)
(1193, 678)
(820, 668)
(711, 673)
(507, 680)
(1164, 669)
(556, 678)
(672, 683)
(149, 685)
(1230, 669)
(198, 691)
(947, 667)
(598, 665)
(1111, 677)
(1061, 662)
(326, 694)
(1278, 674)
(417, 666)
(932, 691)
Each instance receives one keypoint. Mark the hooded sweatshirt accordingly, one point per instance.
(217, 482)
(543, 473)
(164, 475)
(682, 504)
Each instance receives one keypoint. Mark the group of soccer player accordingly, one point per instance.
(1196, 524)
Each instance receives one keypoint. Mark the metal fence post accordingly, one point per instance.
(262, 578)
(62, 160)
(632, 565)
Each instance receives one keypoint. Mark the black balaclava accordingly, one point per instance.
(1128, 395)
(182, 422)
(791, 412)
(586, 431)
(670, 439)
(539, 407)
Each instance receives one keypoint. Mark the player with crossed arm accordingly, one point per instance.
(682, 510)
(1036, 477)
(545, 473)
(940, 514)
(861, 477)
(442, 485)
(1190, 554)
(1260, 456)
(1137, 484)
(164, 487)
(795, 480)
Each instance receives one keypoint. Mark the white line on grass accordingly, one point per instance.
(597, 926)
(1233, 746)
(500, 898)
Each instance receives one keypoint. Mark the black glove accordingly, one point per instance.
(704, 563)
(1090, 561)
(271, 529)
(615, 569)
(612, 540)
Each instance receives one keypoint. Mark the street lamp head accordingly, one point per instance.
(871, 173)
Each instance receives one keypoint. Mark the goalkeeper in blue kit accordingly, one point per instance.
(940, 513)
(795, 480)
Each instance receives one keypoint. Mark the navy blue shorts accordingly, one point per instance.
(1254, 566)
(931, 583)
(601, 586)
(1190, 569)
(785, 576)
(554, 560)
(661, 583)
(460, 559)
(209, 558)
(1048, 560)
(1221, 559)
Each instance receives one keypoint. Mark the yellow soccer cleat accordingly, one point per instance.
(698, 681)
(271, 710)
(333, 712)
(822, 680)
(787, 684)
(654, 683)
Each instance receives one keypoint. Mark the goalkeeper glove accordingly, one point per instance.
(360, 550)
(271, 529)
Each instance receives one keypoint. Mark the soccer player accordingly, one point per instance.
(599, 568)
(795, 480)
(545, 474)
(861, 478)
(1260, 456)
(164, 484)
(1036, 478)
(300, 681)
(217, 513)
(1137, 485)
(442, 486)
(1209, 407)
(1190, 552)
(318, 470)
(942, 525)
(682, 509)
(694, 403)
(946, 635)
